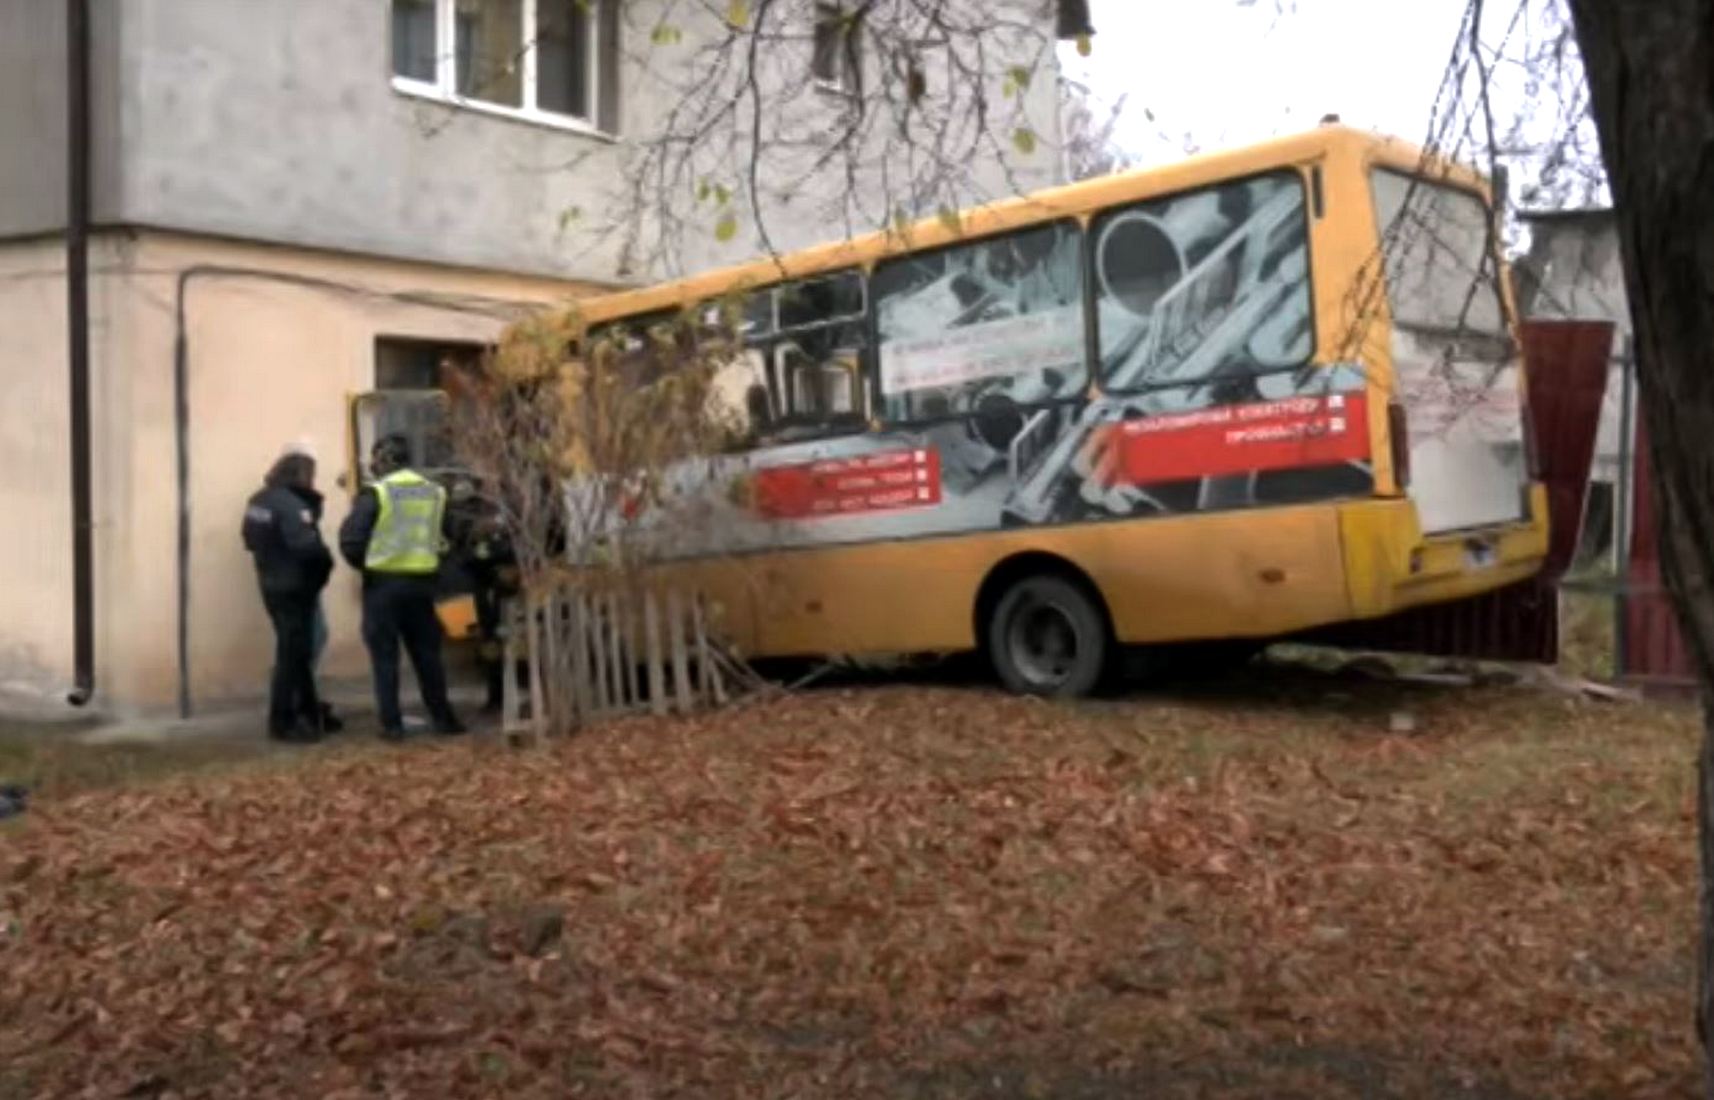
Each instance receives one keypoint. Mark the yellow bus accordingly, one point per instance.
(1236, 398)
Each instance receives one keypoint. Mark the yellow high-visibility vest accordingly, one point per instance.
(406, 539)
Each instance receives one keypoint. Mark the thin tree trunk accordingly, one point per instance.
(1649, 66)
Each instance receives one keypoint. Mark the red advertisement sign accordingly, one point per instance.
(843, 486)
(1237, 439)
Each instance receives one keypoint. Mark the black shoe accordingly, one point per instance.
(299, 733)
(330, 722)
(450, 726)
(392, 733)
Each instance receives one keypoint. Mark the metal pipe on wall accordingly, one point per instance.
(77, 322)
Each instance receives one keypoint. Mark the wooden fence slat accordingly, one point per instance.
(657, 671)
(560, 615)
(580, 674)
(592, 656)
(615, 656)
(681, 659)
(570, 619)
(556, 658)
(598, 664)
(511, 706)
(633, 685)
(595, 633)
(707, 672)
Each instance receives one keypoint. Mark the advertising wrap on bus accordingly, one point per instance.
(1205, 394)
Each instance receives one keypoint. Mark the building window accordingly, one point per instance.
(537, 59)
(488, 50)
(835, 61)
(408, 400)
(565, 59)
(403, 363)
(413, 40)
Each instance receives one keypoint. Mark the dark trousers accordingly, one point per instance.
(395, 609)
(292, 692)
(486, 597)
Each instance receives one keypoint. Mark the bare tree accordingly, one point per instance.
(847, 117)
(571, 437)
(1087, 133)
(1648, 69)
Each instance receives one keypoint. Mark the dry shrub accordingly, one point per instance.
(572, 434)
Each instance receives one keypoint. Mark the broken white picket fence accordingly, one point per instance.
(593, 655)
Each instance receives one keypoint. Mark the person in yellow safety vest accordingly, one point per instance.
(395, 535)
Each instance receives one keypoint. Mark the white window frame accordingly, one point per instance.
(444, 88)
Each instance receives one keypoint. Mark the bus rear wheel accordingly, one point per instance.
(1048, 636)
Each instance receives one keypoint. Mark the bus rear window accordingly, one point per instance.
(1440, 266)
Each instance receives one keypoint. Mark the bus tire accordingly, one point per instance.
(1048, 636)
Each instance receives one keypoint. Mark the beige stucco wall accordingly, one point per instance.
(35, 596)
(270, 359)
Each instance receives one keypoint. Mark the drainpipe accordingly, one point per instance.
(77, 317)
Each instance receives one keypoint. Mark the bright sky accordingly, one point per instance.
(1222, 74)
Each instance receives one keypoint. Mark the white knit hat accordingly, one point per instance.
(303, 445)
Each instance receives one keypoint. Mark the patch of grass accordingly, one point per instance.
(58, 764)
(1586, 634)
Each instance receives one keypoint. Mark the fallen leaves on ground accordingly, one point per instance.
(900, 891)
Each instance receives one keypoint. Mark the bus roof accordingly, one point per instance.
(1066, 200)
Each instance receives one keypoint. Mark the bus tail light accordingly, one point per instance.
(1398, 434)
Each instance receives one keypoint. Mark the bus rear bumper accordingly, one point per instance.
(1391, 565)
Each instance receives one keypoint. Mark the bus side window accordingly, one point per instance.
(817, 356)
(996, 318)
(796, 370)
(822, 389)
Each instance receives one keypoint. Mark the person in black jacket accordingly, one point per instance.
(486, 553)
(292, 566)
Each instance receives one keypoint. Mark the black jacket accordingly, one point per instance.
(282, 533)
(481, 546)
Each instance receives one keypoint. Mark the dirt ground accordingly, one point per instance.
(1258, 889)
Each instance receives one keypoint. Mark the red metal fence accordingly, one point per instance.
(1649, 649)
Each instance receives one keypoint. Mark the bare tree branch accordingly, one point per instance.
(749, 147)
